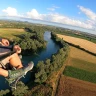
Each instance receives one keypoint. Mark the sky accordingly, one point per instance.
(79, 13)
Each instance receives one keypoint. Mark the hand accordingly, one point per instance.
(17, 49)
(5, 42)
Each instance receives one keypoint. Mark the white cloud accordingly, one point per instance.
(55, 17)
(34, 14)
(53, 8)
(66, 20)
(89, 13)
(10, 11)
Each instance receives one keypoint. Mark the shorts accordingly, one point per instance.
(4, 49)
(2, 52)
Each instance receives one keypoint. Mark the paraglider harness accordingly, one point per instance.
(8, 66)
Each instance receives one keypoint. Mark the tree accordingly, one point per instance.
(21, 89)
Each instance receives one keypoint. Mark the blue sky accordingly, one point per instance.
(80, 13)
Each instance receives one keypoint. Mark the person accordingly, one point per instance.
(13, 60)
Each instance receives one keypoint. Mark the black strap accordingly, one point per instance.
(7, 47)
(3, 56)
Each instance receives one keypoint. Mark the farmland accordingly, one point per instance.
(69, 86)
(90, 46)
(82, 60)
(79, 66)
(79, 76)
(11, 33)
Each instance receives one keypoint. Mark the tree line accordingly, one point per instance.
(31, 42)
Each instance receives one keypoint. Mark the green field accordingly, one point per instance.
(81, 65)
(85, 65)
(82, 60)
(80, 74)
(11, 33)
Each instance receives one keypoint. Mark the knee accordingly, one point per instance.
(0, 70)
(14, 55)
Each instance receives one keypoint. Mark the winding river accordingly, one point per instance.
(50, 49)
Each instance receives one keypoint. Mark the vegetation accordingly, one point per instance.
(42, 91)
(47, 67)
(83, 60)
(11, 33)
(38, 28)
(78, 34)
(82, 64)
(80, 74)
(21, 90)
(77, 46)
(44, 69)
(31, 42)
(82, 55)
(4, 92)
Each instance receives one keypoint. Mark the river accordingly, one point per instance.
(50, 49)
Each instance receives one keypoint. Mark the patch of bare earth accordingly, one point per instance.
(74, 87)
(81, 42)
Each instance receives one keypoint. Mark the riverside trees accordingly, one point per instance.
(45, 68)
(31, 42)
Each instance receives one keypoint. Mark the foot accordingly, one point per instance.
(15, 75)
(29, 67)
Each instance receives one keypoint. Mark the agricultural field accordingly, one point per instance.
(11, 33)
(90, 46)
(79, 75)
(81, 60)
(78, 58)
(69, 86)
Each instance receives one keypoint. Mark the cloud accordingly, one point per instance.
(66, 20)
(54, 17)
(34, 14)
(89, 13)
(10, 11)
(53, 8)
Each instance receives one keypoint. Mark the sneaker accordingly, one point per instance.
(15, 75)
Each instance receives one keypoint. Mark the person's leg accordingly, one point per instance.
(3, 72)
(12, 75)
(14, 60)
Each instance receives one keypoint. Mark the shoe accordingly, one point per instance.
(15, 75)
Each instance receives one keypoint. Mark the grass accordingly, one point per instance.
(11, 33)
(82, 64)
(80, 74)
(80, 59)
(79, 54)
